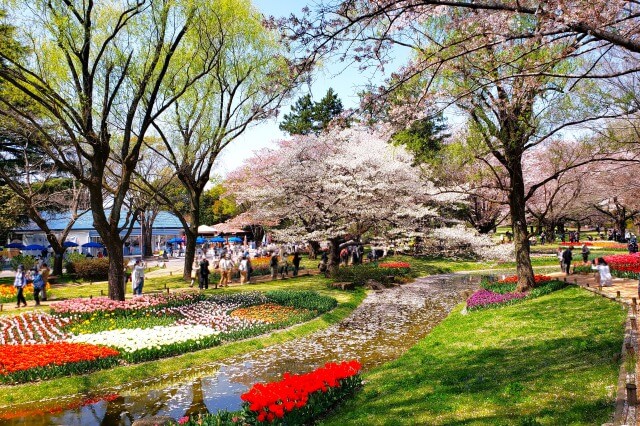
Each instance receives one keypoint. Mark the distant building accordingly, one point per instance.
(165, 227)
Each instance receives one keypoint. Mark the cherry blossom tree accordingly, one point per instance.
(336, 186)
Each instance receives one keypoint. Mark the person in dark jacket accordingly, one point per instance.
(296, 263)
(567, 257)
(204, 274)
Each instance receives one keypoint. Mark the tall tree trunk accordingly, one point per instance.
(58, 259)
(116, 267)
(519, 223)
(314, 249)
(334, 255)
(191, 233)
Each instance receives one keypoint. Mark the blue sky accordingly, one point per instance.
(345, 80)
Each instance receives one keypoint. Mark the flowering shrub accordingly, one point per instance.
(84, 308)
(30, 328)
(624, 265)
(460, 241)
(21, 363)
(298, 398)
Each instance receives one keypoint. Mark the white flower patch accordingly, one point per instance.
(211, 314)
(132, 340)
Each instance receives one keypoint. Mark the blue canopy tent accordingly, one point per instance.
(34, 247)
(175, 241)
(92, 244)
(235, 240)
(201, 240)
(15, 245)
(68, 244)
(218, 240)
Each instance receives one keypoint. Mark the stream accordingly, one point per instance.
(381, 329)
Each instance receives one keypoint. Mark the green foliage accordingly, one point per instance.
(27, 261)
(71, 259)
(360, 274)
(92, 269)
(302, 299)
(307, 117)
(216, 206)
(423, 138)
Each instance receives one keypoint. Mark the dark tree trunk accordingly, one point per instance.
(58, 259)
(147, 239)
(519, 223)
(191, 233)
(334, 255)
(116, 268)
(314, 249)
(485, 228)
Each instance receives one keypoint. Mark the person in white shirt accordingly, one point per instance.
(226, 265)
(137, 278)
(603, 276)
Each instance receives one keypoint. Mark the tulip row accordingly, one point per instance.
(30, 328)
(624, 265)
(84, 308)
(8, 293)
(24, 363)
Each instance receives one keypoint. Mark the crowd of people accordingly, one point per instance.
(37, 276)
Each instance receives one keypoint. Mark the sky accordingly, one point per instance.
(345, 80)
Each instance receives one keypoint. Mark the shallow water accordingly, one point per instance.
(381, 329)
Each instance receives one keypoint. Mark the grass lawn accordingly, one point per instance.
(101, 380)
(549, 361)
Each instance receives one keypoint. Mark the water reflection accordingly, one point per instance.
(383, 327)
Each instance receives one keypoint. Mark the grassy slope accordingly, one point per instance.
(100, 380)
(547, 361)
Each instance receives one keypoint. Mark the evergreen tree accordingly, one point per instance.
(423, 138)
(307, 117)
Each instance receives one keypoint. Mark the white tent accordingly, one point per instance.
(204, 229)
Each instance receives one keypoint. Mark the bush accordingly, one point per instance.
(21, 259)
(92, 269)
(71, 259)
(302, 299)
(360, 274)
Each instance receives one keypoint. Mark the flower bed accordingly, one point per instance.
(22, 363)
(299, 398)
(269, 313)
(395, 265)
(211, 314)
(151, 343)
(514, 279)
(493, 294)
(624, 265)
(8, 293)
(84, 308)
(31, 328)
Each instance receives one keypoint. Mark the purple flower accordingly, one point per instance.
(483, 298)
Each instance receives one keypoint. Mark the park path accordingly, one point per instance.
(385, 325)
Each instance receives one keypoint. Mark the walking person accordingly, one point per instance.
(38, 285)
(585, 253)
(560, 259)
(226, 266)
(20, 282)
(273, 264)
(567, 257)
(204, 274)
(296, 263)
(244, 269)
(45, 271)
(137, 278)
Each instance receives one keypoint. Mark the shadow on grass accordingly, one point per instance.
(551, 362)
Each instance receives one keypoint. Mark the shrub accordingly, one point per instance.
(21, 259)
(71, 259)
(92, 268)
(302, 299)
(360, 274)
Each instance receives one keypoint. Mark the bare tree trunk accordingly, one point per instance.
(191, 234)
(334, 255)
(314, 249)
